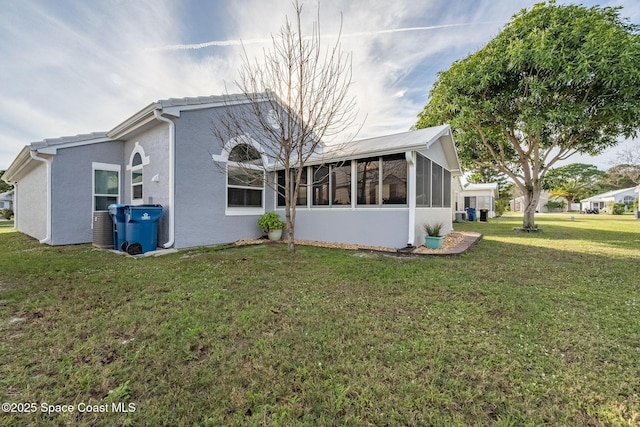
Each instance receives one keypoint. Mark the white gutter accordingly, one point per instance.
(47, 162)
(172, 168)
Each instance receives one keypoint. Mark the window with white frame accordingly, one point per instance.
(137, 162)
(245, 177)
(136, 177)
(106, 185)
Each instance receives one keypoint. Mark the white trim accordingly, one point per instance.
(354, 184)
(410, 156)
(244, 211)
(97, 166)
(344, 208)
(106, 166)
(224, 158)
(137, 149)
(249, 210)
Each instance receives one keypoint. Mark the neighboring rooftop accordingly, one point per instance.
(608, 194)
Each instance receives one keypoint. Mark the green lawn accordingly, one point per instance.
(526, 329)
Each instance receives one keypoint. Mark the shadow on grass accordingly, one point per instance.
(325, 337)
(580, 234)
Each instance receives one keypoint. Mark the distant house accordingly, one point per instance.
(517, 203)
(6, 200)
(378, 191)
(478, 196)
(601, 201)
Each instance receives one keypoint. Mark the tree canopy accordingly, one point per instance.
(579, 173)
(3, 185)
(558, 80)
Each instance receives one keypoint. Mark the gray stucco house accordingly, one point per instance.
(379, 191)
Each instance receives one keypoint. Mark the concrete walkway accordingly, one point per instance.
(469, 240)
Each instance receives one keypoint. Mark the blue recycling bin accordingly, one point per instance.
(116, 211)
(471, 214)
(141, 228)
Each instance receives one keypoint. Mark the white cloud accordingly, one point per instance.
(79, 67)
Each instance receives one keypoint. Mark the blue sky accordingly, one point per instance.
(72, 67)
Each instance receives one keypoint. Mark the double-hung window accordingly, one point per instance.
(106, 185)
(136, 178)
(137, 162)
(245, 178)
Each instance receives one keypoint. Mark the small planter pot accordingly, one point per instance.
(432, 242)
(275, 234)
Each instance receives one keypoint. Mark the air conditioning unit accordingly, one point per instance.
(102, 230)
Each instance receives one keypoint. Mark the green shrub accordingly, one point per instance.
(501, 207)
(433, 230)
(6, 213)
(271, 221)
(553, 206)
(616, 208)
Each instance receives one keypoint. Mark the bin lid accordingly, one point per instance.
(143, 213)
(116, 209)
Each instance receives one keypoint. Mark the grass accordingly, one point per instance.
(527, 329)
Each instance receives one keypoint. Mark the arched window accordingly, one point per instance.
(245, 179)
(137, 161)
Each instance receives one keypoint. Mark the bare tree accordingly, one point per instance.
(297, 97)
(628, 164)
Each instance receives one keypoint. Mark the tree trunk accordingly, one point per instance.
(291, 246)
(569, 203)
(290, 207)
(531, 198)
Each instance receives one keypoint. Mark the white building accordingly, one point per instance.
(601, 201)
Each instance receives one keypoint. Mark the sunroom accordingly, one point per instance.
(377, 191)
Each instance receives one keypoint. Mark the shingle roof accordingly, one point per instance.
(404, 141)
(67, 139)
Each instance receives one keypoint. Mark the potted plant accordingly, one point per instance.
(433, 239)
(271, 224)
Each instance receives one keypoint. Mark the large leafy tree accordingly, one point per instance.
(573, 182)
(3, 185)
(620, 176)
(581, 173)
(558, 80)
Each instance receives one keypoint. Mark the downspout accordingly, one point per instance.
(172, 168)
(411, 193)
(47, 162)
